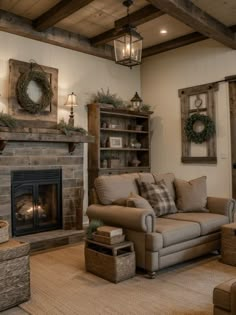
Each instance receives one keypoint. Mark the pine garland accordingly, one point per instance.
(202, 136)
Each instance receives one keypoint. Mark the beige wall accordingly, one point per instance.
(83, 74)
(161, 77)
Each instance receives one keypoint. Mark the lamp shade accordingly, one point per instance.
(71, 100)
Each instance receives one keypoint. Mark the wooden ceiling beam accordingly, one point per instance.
(188, 13)
(176, 43)
(173, 44)
(141, 16)
(17, 25)
(59, 12)
(136, 18)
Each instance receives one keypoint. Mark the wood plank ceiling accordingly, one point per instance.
(91, 25)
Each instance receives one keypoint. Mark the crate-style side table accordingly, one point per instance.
(111, 262)
(14, 274)
(228, 244)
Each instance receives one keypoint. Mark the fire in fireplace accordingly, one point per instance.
(36, 201)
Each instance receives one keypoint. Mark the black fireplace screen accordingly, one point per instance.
(36, 201)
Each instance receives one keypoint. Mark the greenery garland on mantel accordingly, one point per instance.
(22, 91)
(202, 136)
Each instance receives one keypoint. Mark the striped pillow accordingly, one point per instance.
(158, 196)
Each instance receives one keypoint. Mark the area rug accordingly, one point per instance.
(60, 285)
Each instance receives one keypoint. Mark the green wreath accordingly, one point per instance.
(22, 96)
(202, 136)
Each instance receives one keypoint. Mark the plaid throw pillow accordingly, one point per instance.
(158, 196)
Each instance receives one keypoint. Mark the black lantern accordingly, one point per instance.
(136, 102)
(128, 47)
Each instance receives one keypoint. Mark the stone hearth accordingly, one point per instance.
(32, 150)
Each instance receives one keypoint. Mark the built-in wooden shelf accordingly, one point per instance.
(41, 135)
(123, 130)
(124, 149)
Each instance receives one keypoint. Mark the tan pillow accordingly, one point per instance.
(192, 195)
(138, 202)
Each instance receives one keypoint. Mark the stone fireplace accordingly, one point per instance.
(33, 155)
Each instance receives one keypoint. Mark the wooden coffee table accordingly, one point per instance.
(228, 244)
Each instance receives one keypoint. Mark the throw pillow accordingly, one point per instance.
(192, 195)
(137, 201)
(158, 196)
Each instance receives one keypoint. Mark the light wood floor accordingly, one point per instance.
(60, 285)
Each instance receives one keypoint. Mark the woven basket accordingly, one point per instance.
(4, 231)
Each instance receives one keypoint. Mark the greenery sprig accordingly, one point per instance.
(7, 121)
(93, 225)
(68, 129)
(107, 98)
(202, 136)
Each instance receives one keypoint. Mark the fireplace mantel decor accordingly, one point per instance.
(46, 118)
(25, 134)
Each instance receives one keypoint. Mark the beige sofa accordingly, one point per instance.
(163, 241)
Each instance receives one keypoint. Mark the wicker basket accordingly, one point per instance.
(228, 244)
(4, 231)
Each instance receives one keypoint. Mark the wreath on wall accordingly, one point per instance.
(23, 98)
(202, 136)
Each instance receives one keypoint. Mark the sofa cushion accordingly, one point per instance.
(137, 201)
(111, 188)
(192, 195)
(158, 196)
(222, 294)
(176, 231)
(147, 178)
(208, 222)
(169, 181)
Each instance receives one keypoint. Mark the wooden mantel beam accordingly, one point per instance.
(136, 18)
(188, 13)
(59, 12)
(17, 25)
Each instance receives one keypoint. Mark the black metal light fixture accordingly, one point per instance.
(128, 47)
(136, 102)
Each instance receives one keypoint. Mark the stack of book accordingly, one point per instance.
(109, 235)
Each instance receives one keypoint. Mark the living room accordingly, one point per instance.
(187, 66)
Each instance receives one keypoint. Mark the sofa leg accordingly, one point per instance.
(152, 274)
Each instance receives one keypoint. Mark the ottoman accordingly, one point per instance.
(224, 298)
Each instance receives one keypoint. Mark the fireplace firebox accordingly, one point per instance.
(36, 201)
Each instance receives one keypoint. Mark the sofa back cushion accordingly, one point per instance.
(114, 187)
(192, 195)
(168, 178)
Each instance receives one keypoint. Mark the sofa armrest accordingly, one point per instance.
(137, 219)
(225, 206)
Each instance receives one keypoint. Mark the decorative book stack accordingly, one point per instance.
(109, 235)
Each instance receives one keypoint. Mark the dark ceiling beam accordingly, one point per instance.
(59, 12)
(140, 16)
(176, 43)
(188, 13)
(136, 18)
(17, 25)
(173, 44)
